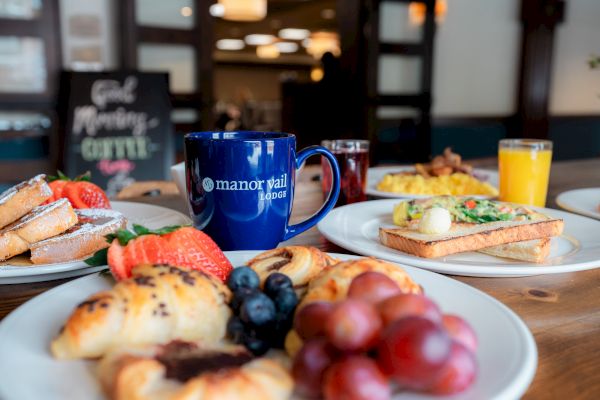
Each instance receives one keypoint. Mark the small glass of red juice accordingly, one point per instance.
(353, 159)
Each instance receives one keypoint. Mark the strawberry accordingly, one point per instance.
(85, 195)
(57, 190)
(177, 246)
(80, 191)
(205, 251)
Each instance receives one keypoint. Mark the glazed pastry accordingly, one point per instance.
(184, 370)
(332, 284)
(300, 263)
(156, 305)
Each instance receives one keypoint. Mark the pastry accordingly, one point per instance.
(22, 198)
(300, 263)
(81, 240)
(332, 284)
(156, 305)
(183, 370)
(41, 223)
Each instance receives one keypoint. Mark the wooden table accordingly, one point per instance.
(562, 310)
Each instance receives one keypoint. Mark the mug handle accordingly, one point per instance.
(297, 229)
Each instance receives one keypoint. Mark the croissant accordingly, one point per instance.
(300, 263)
(332, 284)
(182, 371)
(156, 305)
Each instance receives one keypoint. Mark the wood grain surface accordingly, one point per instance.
(562, 310)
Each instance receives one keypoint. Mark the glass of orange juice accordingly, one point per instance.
(524, 168)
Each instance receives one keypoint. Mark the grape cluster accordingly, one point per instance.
(354, 348)
(261, 319)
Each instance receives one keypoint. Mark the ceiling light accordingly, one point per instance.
(316, 74)
(328, 13)
(294, 34)
(267, 51)
(230, 44)
(416, 12)
(287, 47)
(186, 11)
(323, 42)
(244, 10)
(217, 10)
(258, 39)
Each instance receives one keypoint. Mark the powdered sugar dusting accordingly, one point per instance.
(91, 221)
(10, 192)
(36, 213)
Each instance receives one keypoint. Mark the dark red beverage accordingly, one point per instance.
(354, 164)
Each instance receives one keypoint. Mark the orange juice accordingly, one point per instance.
(524, 173)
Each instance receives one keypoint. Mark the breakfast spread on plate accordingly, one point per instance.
(443, 225)
(57, 221)
(445, 175)
(168, 331)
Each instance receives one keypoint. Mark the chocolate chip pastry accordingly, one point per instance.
(157, 304)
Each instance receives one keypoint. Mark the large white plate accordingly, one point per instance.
(376, 174)
(581, 201)
(356, 227)
(507, 354)
(138, 213)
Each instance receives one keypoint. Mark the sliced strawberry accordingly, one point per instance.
(202, 252)
(186, 247)
(117, 262)
(85, 195)
(57, 190)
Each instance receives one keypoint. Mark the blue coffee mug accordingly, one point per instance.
(240, 187)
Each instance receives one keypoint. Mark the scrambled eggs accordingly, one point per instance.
(457, 184)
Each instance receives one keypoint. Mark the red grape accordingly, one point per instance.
(310, 319)
(355, 378)
(353, 326)
(372, 287)
(309, 365)
(406, 305)
(461, 331)
(413, 351)
(458, 373)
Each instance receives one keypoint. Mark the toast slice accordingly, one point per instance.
(535, 251)
(81, 240)
(41, 223)
(22, 198)
(468, 237)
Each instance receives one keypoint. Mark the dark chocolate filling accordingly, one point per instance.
(184, 361)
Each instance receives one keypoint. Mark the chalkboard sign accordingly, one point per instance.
(118, 126)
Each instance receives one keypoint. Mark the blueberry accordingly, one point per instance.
(257, 309)
(256, 346)
(279, 330)
(235, 329)
(242, 277)
(286, 301)
(276, 282)
(239, 296)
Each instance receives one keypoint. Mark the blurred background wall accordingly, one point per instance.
(420, 75)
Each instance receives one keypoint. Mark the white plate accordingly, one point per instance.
(138, 213)
(581, 201)
(356, 227)
(376, 174)
(507, 354)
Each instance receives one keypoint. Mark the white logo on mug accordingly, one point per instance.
(208, 184)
